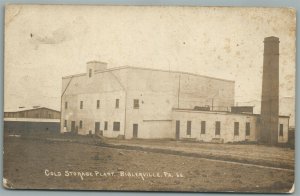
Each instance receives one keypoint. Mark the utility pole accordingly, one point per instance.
(178, 90)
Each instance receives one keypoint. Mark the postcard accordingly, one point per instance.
(149, 98)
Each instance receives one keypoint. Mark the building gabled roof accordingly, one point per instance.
(150, 69)
(28, 109)
(79, 85)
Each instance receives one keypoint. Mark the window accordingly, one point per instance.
(218, 128)
(98, 104)
(236, 128)
(105, 125)
(90, 73)
(81, 104)
(117, 103)
(80, 124)
(247, 129)
(116, 126)
(66, 105)
(281, 130)
(136, 104)
(203, 126)
(188, 127)
(65, 123)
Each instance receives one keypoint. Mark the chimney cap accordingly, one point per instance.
(271, 39)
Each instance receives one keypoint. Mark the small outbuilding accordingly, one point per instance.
(31, 120)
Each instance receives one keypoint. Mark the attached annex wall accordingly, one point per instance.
(227, 126)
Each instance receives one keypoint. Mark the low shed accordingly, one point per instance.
(31, 121)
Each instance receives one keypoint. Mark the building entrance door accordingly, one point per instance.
(177, 129)
(135, 130)
(73, 126)
(97, 127)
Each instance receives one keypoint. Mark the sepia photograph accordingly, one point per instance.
(149, 98)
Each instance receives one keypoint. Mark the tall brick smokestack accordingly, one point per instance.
(270, 92)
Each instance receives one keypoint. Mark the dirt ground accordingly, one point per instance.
(244, 153)
(43, 163)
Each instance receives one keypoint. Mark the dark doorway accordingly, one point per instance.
(177, 129)
(97, 127)
(73, 126)
(135, 130)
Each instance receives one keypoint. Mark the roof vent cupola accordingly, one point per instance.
(94, 66)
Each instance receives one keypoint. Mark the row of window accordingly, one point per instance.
(218, 128)
(116, 125)
(136, 104)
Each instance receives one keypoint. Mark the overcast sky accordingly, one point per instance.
(44, 43)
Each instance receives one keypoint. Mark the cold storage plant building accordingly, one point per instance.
(136, 102)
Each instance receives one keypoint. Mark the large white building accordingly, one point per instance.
(134, 102)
